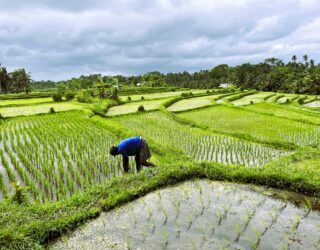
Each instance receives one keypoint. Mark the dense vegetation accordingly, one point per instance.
(271, 75)
(17, 81)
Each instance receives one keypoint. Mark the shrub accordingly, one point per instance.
(287, 101)
(173, 89)
(1, 116)
(142, 97)
(251, 102)
(51, 110)
(171, 101)
(57, 97)
(98, 108)
(20, 194)
(141, 108)
(208, 91)
(84, 97)
(300, 101)
(70, 96)
(129, 98)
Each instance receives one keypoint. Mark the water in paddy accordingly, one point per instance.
(202, 215)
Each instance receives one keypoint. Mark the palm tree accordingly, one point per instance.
(305, 58)
(294, 58)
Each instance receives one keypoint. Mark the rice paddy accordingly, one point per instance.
(263, 127)
(155, 96)
(314, 104)
(55, 155)
(255, 98)
(132, 107)
(198, 144)
(23, 102)
(286, 112)
(202, 215)
(193, 103)
(40, 109)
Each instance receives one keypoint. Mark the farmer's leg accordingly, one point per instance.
(145, 154)
(138, 163)
(125, 164)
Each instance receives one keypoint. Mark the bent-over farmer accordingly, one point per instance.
(134, 146)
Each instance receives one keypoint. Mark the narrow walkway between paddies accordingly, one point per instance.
(203, 215)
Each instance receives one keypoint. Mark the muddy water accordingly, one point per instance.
(314, 104)
(202, 215)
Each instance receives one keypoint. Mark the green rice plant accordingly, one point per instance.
(198, 144)
(165, 237)
(291, 113)
(3, 187)
(165, 215)
(237, 229)
(56, 155)
(295, 222)
(253, 126)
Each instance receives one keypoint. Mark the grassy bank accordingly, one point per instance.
(30, 226)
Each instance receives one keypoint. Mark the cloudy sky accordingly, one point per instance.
(61, 39)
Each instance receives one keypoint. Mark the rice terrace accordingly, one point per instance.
(166, 124)
(56, 172)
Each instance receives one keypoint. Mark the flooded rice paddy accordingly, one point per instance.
(203, 215)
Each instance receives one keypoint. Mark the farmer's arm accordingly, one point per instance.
(125, 162)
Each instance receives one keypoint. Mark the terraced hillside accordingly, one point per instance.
(56, 171)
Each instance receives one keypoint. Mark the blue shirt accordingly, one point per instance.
(130, 146)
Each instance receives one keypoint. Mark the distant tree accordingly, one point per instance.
(153, 79)
(220, 73)
(4, 80)
(294, 58)
(21, 81)
(305, 58)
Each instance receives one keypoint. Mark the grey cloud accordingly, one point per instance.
(56, 40)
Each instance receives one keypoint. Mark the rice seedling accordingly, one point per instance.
(165, 237)
(295, 222)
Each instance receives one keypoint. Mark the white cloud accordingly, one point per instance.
(57, 40)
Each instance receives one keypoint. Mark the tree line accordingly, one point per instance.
(296, 76)
(16, 81)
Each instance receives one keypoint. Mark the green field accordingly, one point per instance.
(154, 96)
(56, 171)
(198, 144)
(54, 154)
(262, 127)
(40, 109)
(286, 112)
(132, 107)
(193, 103)
(255, 98)
(23, 102)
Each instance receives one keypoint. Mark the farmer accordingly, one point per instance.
(134, 146)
